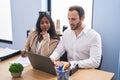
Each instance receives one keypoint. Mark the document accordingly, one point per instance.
(23, 60)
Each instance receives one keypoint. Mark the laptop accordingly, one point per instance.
(44, 63)
(7, 53)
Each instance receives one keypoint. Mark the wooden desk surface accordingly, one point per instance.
(32, 74)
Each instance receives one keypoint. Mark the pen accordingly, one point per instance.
(63, 67)
(60, 67)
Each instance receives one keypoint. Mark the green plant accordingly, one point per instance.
(16, 68)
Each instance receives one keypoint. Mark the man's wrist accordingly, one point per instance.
(69, 64)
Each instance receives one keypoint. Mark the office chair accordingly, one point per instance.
(100, 63)
(28, 32)
(64, 57)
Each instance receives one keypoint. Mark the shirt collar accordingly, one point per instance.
(85, 30)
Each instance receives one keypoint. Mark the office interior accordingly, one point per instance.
(106, 17)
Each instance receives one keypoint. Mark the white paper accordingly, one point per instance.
(23, 60)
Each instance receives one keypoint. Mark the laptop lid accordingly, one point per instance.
(44, 63)
(41, 63)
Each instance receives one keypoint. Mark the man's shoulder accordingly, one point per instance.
(94, 32)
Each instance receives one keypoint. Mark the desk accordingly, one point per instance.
(32, 74)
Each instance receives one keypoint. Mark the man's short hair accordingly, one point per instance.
(79, 9)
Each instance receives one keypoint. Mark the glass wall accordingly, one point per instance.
(59, 10)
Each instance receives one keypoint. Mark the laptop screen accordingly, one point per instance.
(41, 63)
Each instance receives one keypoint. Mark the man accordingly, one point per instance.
(83, 45)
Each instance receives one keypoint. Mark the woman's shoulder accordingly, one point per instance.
(54, 40)
(33, 31)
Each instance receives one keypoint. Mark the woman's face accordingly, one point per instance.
(44, 24)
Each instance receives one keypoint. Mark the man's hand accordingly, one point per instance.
(60, 63)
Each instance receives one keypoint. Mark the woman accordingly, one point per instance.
(43, 40)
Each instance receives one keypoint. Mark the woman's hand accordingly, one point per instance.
(23, 53)
(43, 33)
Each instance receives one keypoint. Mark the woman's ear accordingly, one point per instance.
(82, 18)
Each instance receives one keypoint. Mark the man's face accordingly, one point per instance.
(74, 20)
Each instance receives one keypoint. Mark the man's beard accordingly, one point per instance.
(77, 26)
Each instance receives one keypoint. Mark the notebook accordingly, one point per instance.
(7, 53)
(44, 63)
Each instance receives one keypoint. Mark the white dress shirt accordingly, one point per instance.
(84, 50)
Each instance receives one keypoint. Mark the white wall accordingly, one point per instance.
(24, 17)
(105, 20)
(5, 20)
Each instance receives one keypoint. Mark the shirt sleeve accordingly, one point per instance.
(59, 51)
(95, 55)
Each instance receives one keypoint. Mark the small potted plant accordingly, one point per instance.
(16, 69)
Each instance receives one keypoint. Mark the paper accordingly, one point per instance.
(7, 51)
(23, 60)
